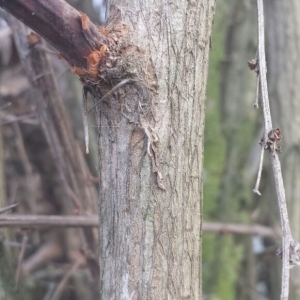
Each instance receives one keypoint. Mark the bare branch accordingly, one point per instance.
(261, 160)
(252, 229)
(256, 103)
(60, 288)
(290, 247)
(3, 210)
(254, 66)
(40, 221)
(123, 82)
(21, 257)
(26, 118)
(85, 119)
(47, 252)
(60, 24)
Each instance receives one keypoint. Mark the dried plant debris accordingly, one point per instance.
(294, 254)
(253, 64)
(274, 138)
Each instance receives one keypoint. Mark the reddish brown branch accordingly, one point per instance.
(68, 30)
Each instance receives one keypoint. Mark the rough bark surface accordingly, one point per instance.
(282, 33)
(148, 77)
(150, 236)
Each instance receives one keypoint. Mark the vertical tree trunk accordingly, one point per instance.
(151, 190)
(149, 67)
(282, 32)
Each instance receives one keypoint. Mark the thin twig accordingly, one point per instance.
(4, 209)
(41, 221)
(5, 105)
(13, 193)
(123, 82)
(85, 120)
(50, 290)
(21, 257)
(256, 103)
(251, 229)
(60, 288)
(49, 251)
(20, 145)
(15, 244)
(26, 119)
(75, 200)
(289, 245)
(261, 160)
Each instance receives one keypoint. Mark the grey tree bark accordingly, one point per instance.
(151, 153)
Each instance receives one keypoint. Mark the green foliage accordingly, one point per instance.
(214, 146)
(221, 255)
(221, 266)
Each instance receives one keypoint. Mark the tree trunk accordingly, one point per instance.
(147, 72)
(151, 191)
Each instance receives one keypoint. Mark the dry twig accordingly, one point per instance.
(21, 256)
(3, 210)
(60, 288)
(85, 120)
(261, 160)
(40, 221)
(256, 103)
(251, 229)
(290, 247)
(47, 252)
(123, 82)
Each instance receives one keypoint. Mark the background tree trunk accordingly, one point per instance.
(230, 162)
(150, 237)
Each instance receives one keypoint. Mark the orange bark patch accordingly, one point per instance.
(103, 31)
(79, 71)
(93, 61)
(85, 21)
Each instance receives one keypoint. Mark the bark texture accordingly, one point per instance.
(150, 227)
(147, 70)
(282, 33)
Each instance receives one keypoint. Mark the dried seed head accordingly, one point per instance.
(252, 64)
(275, 135)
